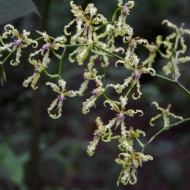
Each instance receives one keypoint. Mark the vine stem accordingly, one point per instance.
(52, 76)
(162, 54)
(112, 54)
(175, 82)
(160, 131)
(7, 57)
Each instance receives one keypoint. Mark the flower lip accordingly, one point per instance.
(120, 116)
(132, 164)
(97, 134)
(45, 47)
(133, 43)
(182, 27)
(17, 42)
(61, 98)
(95, 93)
(36, 70)
(125, 9)
(137, 75)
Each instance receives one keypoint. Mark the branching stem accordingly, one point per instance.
(163, 129)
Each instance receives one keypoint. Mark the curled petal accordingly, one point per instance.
(62, 83)
(33, 80)
(90, 9)
(53, 104)
(107, 137)
(18, 55)
(157, 106)
(91, 148)
(148, 70)
(35, 44)
(83, 87)
(168, 68)
(131, 112)
(186, 31)
(68, 26)
(184, 59)
(27, 81)
(72, 93)
(54, 87)
(154, 118)
(123, 130)
(171, 36)
(119, 61)
(184, 47)
(138, 90)
(113, 105)
(175, 116)
(88, 104)
(111, 123)
(120, 87)
(120, 3)
(141, 40)
(123, 101)
(170, 24)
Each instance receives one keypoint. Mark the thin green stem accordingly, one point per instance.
(175, 82)
(164, 78)
(183, 88)
(128, 91)
(74, 45)
(2, 41)
(97, 28)
(131, 87)
(163, 129)
(38, 38)
(3, 75)
(162, 54)
(177, 41)
(51, 37)
(7, 57)
(52, 76)
(112, 54)
(140, 143)
(115, 14)
(60, 67)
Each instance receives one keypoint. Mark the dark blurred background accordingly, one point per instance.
(38, 153)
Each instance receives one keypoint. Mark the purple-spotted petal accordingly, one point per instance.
(133, 43)
(97, 134)
(45, 47)
(125, 9)
(17, 43)
(120, 116)
(61, 98)
(95, 93)
(36, 70)
(137, 75)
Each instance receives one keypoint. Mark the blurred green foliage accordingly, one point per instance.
(62, 143)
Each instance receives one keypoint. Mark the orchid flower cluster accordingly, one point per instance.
(94, 44)
(173, 53)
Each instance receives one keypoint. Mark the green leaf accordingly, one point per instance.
(13, 164)
(12, 9)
